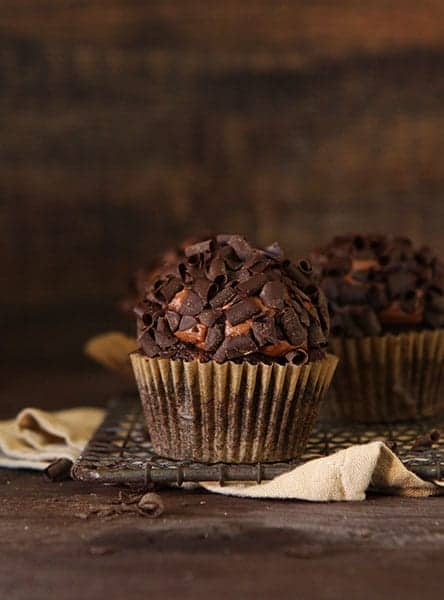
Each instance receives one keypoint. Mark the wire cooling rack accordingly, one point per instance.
(120, 452)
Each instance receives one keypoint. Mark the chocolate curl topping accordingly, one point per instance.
(225, 300)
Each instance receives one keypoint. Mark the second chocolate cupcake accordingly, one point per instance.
(386, 301)
(232, 364)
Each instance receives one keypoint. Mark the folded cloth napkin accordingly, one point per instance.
(345, 475)
(36, 438)
(112, 350)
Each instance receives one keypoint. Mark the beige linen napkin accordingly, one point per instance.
(345, 475)
(36, 438)
(112, 350)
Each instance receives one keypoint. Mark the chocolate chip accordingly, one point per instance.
(241, 311)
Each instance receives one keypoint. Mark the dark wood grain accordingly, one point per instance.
(127, 126)
(203, 545)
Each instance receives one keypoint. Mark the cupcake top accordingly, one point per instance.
(377, 284)
(225, 300)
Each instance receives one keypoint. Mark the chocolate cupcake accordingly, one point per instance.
(232, 363)
(386, 303)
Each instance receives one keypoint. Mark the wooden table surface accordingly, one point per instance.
(203, 545)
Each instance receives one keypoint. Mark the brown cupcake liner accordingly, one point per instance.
(387, 378)
(211, 412)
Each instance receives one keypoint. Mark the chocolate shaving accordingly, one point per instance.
(215, 336)
(187, 322)
(299, 356)
(200, 248)
(173, 319)
(273, 294)
(241, 247)
(252, 285)
(205, 289)
(292, 327)
(223, 297)
(209, 317)
(264, 331)
(241, 311)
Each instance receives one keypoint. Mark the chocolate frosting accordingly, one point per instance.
(377, 284)
(223, 299)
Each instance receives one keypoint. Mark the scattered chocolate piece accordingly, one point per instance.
(151, 505)
(58, 470)
(427, 440)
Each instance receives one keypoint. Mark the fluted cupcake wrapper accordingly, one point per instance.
(211, 412)
(388, 378)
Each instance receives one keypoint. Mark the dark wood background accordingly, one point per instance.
(126, 126)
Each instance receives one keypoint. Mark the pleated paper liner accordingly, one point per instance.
(229, 412)
(388, 378)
